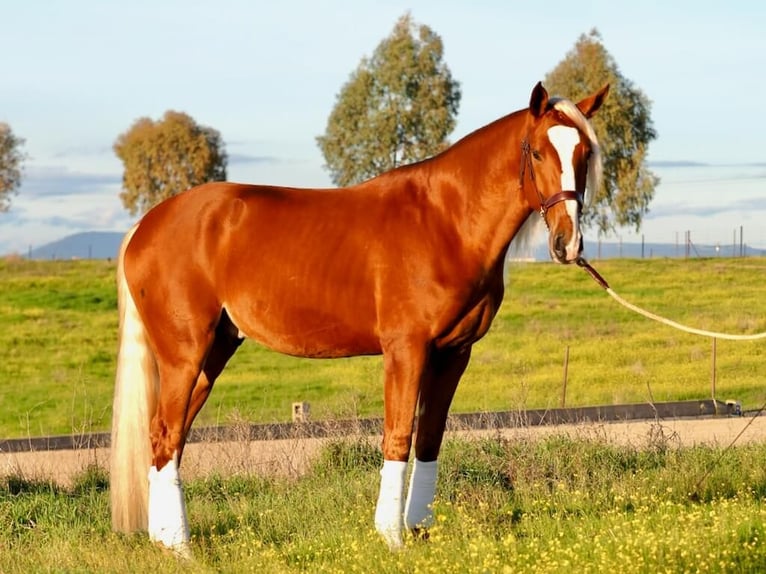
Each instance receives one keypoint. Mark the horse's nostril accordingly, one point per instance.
(559, 245)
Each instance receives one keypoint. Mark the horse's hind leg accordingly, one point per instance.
(438, 388)
(180, 352)
(225, 344)
(167, 509)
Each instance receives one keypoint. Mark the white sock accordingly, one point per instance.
(388, 513)
(418, 511)
(167, 511)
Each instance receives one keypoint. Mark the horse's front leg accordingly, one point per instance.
(404, 362)
(445, 367)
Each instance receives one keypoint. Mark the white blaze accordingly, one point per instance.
(564, 139)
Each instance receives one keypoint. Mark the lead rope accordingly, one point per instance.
(602, 282)
(582, 262)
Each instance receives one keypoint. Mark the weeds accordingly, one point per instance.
(558, 504)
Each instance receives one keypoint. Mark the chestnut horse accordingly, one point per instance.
(408, 265)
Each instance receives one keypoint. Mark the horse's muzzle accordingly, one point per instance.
(563, 251)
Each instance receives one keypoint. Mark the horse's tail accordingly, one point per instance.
(135, 399)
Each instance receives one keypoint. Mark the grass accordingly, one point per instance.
(58, 326)
(560, 504)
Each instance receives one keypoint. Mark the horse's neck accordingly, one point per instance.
(478, 183)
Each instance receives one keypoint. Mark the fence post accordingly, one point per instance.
(564, 385)
(712, 372)
(741, 242)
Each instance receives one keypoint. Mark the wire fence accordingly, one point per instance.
(683, 244)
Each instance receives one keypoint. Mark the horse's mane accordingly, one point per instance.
(595, 167)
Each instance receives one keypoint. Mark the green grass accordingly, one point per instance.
(562, 504)
(58, 326)
(58, 332)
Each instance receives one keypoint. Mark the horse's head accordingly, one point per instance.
(559, 159)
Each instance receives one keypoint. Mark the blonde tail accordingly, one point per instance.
(135, 399)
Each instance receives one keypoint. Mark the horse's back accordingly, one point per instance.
(309, 272)
(284, 263)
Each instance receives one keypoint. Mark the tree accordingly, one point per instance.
(398, 107)
(165, 157)
(11, 165)
(624, 128)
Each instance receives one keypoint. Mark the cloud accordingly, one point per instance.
(91, 219)
(36, 221)
(55, 201)
(675, 163)
(707, 174)
(51, 181)
(74, 211)
(748, 204)
(245, 159)
(83, 151)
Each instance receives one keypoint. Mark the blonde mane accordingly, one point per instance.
(595, 167)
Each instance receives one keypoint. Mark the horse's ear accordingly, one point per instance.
(538, 101)
(591, 104)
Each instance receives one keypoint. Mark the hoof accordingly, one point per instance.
(393, 539)
(421, 534)
(182, 551)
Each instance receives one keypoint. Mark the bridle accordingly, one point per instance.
(545, 204)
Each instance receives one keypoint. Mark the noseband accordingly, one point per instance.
(545, 204)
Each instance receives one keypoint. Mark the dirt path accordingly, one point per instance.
(290, 457)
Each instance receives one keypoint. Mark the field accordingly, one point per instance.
(561, 503)
(58, 329)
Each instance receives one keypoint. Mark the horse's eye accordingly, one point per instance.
(536, 155)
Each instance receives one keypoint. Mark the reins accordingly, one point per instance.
(602, 283)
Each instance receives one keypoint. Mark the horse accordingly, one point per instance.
(408, 264)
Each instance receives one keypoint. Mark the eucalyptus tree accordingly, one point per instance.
(624, 127)
(165, 157)
(397, 107)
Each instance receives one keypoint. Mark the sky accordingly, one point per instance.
(77, 73)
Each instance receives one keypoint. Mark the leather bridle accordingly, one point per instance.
(545, 204)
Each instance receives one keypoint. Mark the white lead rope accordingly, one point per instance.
(695, 495)
(600, 280)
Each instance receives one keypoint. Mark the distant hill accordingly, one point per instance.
(105, 244)
(87, 245)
